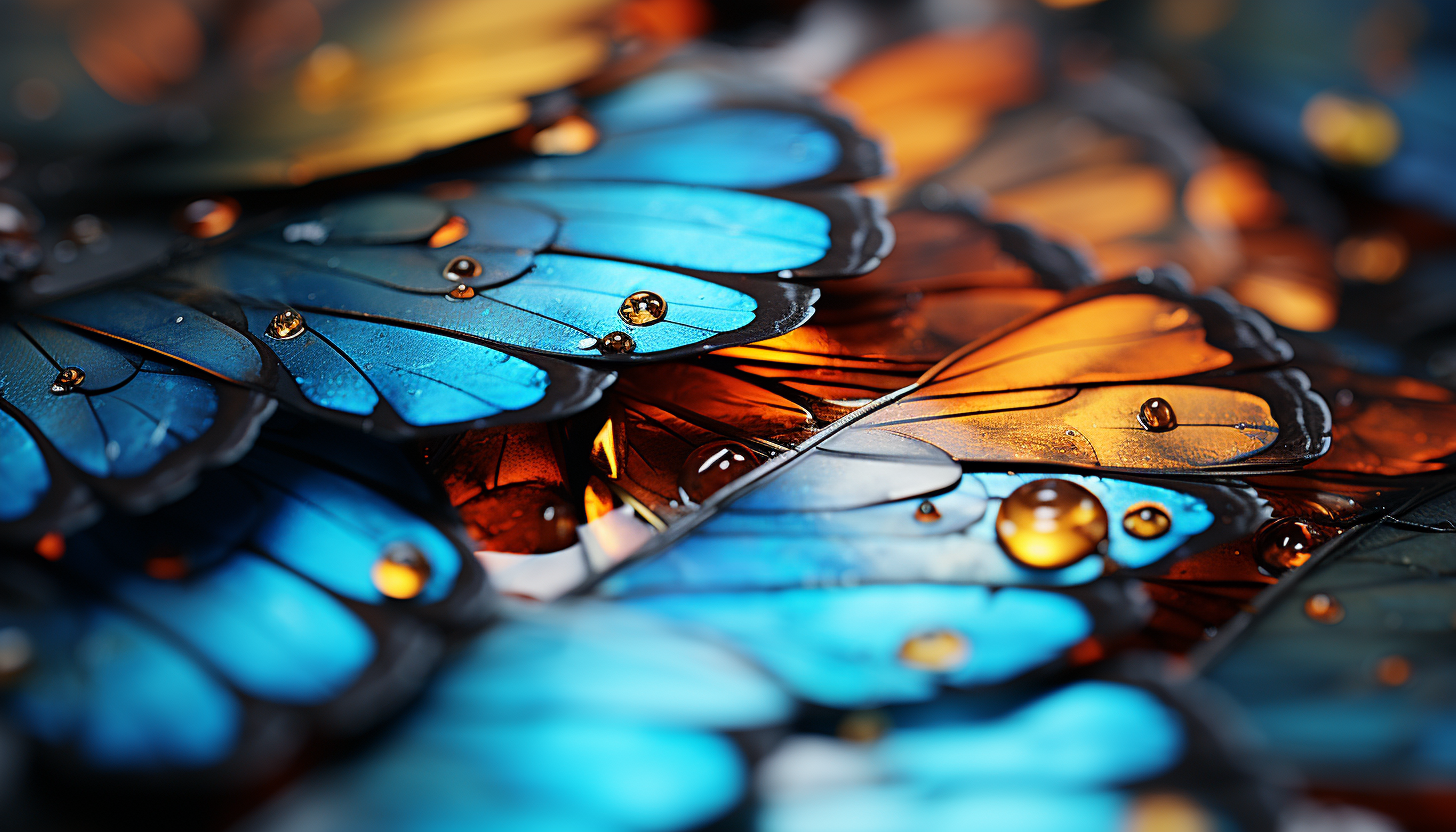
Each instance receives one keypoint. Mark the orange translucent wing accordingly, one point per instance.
(1390, 426)
(510, 489)
(928, 98)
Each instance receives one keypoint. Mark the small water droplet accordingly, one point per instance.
(617, 343)
(643, 308)
(710, 467)
(1324, 608)
(463, 268)
(67, 380)
(401, 571)
(1282, 545)
(785, 274)
(1157, 415)
(285, 325)
(939, 651)
(179, 320)
(462, 292)
(1051, 524)
(587, 344)
(926, 512)
(1146, 521)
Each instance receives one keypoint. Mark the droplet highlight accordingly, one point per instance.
(1157, 415)
(712, 466)
(462, 292)
(1051, 524)
(1147, 521)
(643, 308)
(401, 572)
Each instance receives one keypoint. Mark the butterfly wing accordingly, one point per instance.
(300, 592)
(84, 418)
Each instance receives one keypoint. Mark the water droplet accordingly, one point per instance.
(643, 308)
(401, 571)
(1324, 609)
(710, 467)
(926, 512)
(1157, 415)
(587, 344)
(67, 380)
(462, 292)
(454, 229)
(1393, 671)
(1168, 812)
(617, 343)
(16, 654)
(1146, 521)
(285, 325)
(522, 519)
(462, 268)
(1051, 524)
(785, 274)
(208, 218)
(940, 651)
(1282, 545)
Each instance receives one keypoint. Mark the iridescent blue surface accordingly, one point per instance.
(24, 477)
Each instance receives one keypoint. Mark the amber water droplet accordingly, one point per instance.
(1167, 812)
(463, 268)
(710, 467)
(926, 512)
(462, 292)
(616, 343)
(453, 230)
(208, 218)
(939, 651)
(1282, 545)
(643, 308)
(285, 325)
(67, 380)
(401, 571)
(1157, 415)
(1050, 524)
(1393, 671)
(1146, 521)
(1324, 608)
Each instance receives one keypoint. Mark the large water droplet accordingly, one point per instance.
(710, 467)
(521, 519)
(1284, 544)
(1146, 521)
(401, 571)
(643, 308)
(1050, 524)
(939, 651)
(462, 268)
(285, 325)
(1157, 415)
(616, 343)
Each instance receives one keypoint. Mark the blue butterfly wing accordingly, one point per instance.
(246, 618)
(579, 716)
(84, 418)
(1343, 665)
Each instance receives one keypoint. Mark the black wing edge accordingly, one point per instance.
(860, 233)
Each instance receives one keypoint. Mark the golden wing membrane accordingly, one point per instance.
(1076, 386)
(510, 486)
